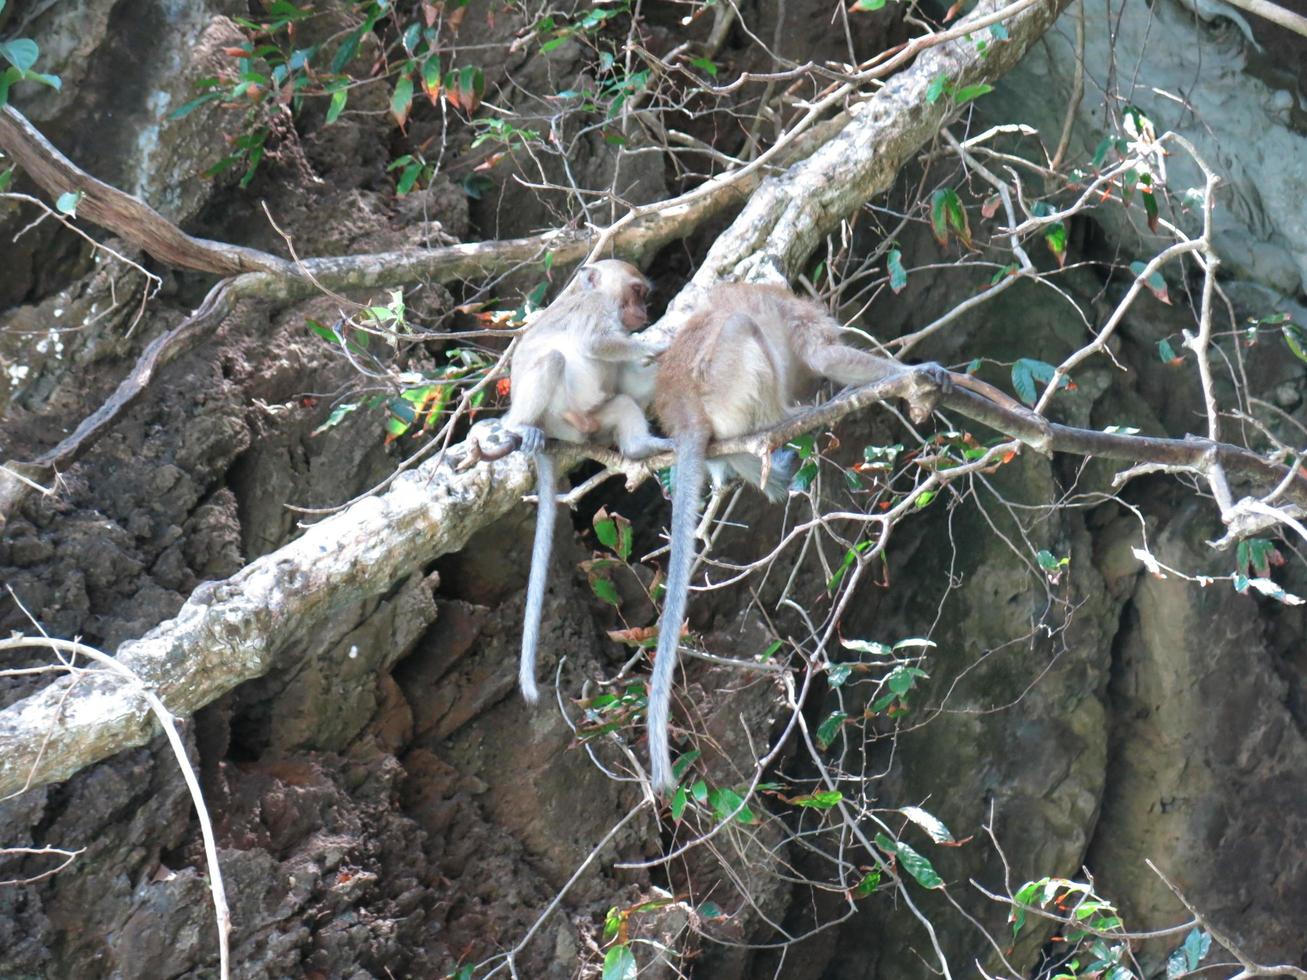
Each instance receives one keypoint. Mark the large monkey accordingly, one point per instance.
(576, 376)
(741, 363)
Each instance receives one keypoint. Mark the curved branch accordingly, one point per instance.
(121, 213)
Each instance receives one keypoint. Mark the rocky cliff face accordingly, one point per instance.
(385, 806)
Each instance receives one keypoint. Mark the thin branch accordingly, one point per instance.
(169, 725)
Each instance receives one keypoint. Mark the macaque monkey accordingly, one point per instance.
(577, 376)
(742, 362)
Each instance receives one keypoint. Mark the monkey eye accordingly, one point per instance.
(641, 291)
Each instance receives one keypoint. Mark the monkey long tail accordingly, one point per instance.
(687, 490)
(546, 519)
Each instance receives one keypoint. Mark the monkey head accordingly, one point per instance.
(622, 281)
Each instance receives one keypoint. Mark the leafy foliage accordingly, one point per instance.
(21, 54)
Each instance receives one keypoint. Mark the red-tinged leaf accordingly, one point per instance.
(502, 387)
(991, 206)
(455, 19)
(954, 10)
(489, 162)
(1155, 282)
(1055, 238)
(635, 636)
(430, 12)
(431, 79)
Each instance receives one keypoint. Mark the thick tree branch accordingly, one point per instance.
(233, 630)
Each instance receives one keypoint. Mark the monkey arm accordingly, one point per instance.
(615, 347)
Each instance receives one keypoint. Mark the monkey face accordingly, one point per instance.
(634, 313)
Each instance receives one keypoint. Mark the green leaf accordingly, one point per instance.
(902, 679)
(870, 881)
(947, 213)
(969, 92)
(711, 910)
(937, 87)
(825, 800)
(67, 202)
(829, 729)
(924, 498)
(407, 179)
(335, 418)
(728, 803)
(850, 557)
(679, 800)
(1050, 562)
(770, 652)
(348, 48)
(898, 276)
(619, 964)
(605, 529)
(870, 647)
(1296, 339)
(1150, 209)
(699, 790)
(705, 65)
(683, 763)
(998, 32)
(915, 643)
(185, 110)
(802, 481)
(6, 178)
(431, 74)
(605, 590)
(1026, 372)
(837, 674)
(1196, 946)
(930, 824)
(21, 52)
(1055, 238)
(1166, 353)
(912, 862)
(612, 923)
(1102, 150)
(401, 100)
(867, 6)
(337, 105)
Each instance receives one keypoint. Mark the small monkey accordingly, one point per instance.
(742, 362)
(576, 376)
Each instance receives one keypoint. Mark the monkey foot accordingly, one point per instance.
(532, 439)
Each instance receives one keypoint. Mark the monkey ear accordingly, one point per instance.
(588, 278)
